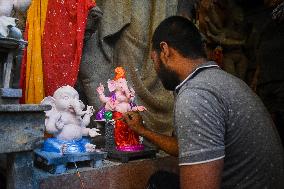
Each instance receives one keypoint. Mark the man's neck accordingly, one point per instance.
(187, 66)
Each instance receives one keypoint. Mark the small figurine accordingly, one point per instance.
(67, 122)
(121, 100)
(7, 23)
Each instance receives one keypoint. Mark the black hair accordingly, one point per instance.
(180, 34)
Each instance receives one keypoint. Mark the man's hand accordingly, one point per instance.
(167, 143)
(134, 121)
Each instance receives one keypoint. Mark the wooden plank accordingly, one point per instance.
(7, 69)
(10, 93)
(55, 162)
(124, 157)
(57, 158)
(10, 43)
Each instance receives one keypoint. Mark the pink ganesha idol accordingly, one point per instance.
(118, 102)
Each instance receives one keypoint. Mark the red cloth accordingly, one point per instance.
(23, 68)
(123, 135)
(63, 42)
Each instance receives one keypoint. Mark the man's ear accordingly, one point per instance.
(165, 49)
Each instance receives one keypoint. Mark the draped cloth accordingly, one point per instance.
(63, 42)
(124, 39)
(32, 68)
(55, 32)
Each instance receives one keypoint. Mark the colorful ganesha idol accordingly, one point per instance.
(120, 101)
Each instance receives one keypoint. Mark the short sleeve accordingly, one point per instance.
(200, 126)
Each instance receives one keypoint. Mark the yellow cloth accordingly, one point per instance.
(34, 92)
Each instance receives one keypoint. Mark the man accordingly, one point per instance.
(226, 137)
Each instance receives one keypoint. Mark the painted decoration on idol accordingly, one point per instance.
(120, 100)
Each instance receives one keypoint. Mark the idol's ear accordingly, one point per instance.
(111, 85)
(48, 101)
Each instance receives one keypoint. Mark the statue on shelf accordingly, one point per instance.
(11, 50)
(120, 100)
(67, 122)
(7, 22)
(223, 24)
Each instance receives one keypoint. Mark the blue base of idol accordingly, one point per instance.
(71, 147)
(51, 158)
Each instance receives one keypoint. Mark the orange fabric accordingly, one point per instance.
(32, 70)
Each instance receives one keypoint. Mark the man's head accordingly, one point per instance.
(175, 40)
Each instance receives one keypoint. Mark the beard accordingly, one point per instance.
(168, 77)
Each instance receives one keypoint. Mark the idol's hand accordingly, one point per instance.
(134, 122)
(100, 89)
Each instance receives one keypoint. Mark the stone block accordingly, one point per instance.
(21, 127)
(132, 175)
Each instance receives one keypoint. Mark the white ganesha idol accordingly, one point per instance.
(67, 122)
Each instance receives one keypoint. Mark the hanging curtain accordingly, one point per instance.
(55, 32)
(63, 42)
(32, 67)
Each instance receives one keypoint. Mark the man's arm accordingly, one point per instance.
(168, 144)
(202, 176)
